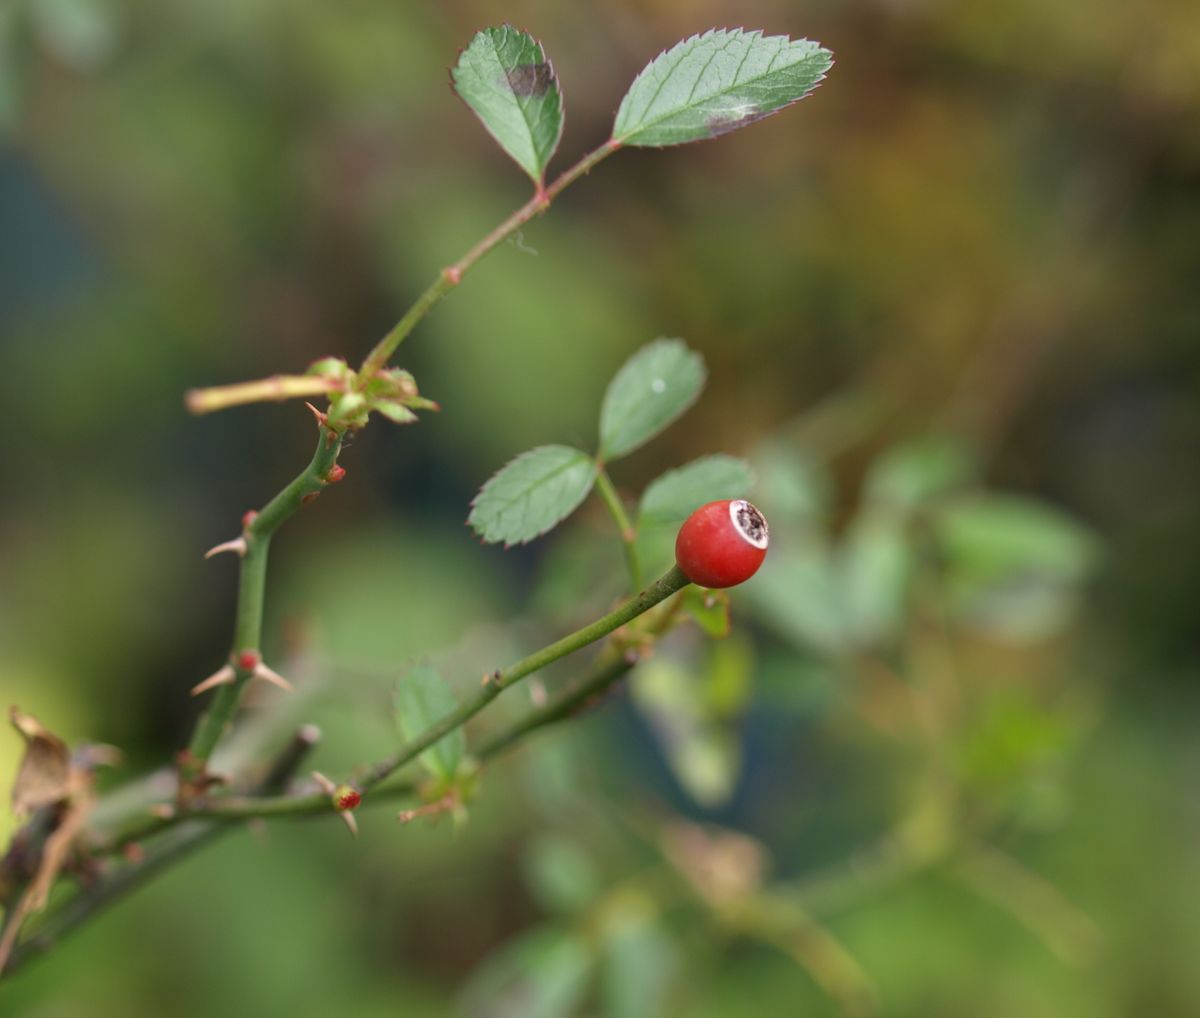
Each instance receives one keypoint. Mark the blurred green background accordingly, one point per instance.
(947, 763)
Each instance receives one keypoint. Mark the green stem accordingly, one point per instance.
(190, 834)
(86, 904)
(247, 635)
(564, 704)
(561, 706)
(626, 529)
(498, 681)
(181, 840)
(611, 668)
(451, 276)
(493, 686)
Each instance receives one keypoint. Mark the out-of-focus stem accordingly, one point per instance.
(493, 686)
(452, 275)
(624, 527)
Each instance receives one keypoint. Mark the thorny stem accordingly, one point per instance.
(191, 833)
(202, 827)
(170, 848)
(493, 685)
(251, 587)
(254, 562)
(662, 588)
(609, 669)
(173, 846)
(561, 706)
(452, 275)
(626, 529)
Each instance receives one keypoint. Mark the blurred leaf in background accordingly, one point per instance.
(948, 313)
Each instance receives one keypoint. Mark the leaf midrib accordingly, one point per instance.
(736, 84)
(541, 173)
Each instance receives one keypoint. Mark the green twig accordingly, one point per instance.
(197, 830)
(187, 832)
(251, 587)
(561, 706)
(170, 848)
(257, 537)
(452, 275)
(626, 529)
(564, 704)
(493, 685)
(174, 844)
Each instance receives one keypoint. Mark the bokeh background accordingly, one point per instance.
(947, 763)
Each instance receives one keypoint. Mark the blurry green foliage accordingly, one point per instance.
(983, 239)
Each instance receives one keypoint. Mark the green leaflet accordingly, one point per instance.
(504, 76)
(673, 496)
(532, 494)
(717, 82)
(652, 388)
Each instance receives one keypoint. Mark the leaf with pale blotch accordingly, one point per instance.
(652, 388)
(532, 494)
(676, 494)
(717, 82)
(504, 76)
(423, 698)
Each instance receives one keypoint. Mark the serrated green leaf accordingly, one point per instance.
(533, 494)
(423, 698)
(652, 388)
(504, 76)
(674, 495)
(717, 82)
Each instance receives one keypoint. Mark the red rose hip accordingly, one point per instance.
(722, 544)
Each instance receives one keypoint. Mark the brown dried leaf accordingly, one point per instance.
(55, 854)
(44, 776)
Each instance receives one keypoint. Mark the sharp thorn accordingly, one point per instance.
(218, 678)
(327, 786)
(237, 545)
(273, 677)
